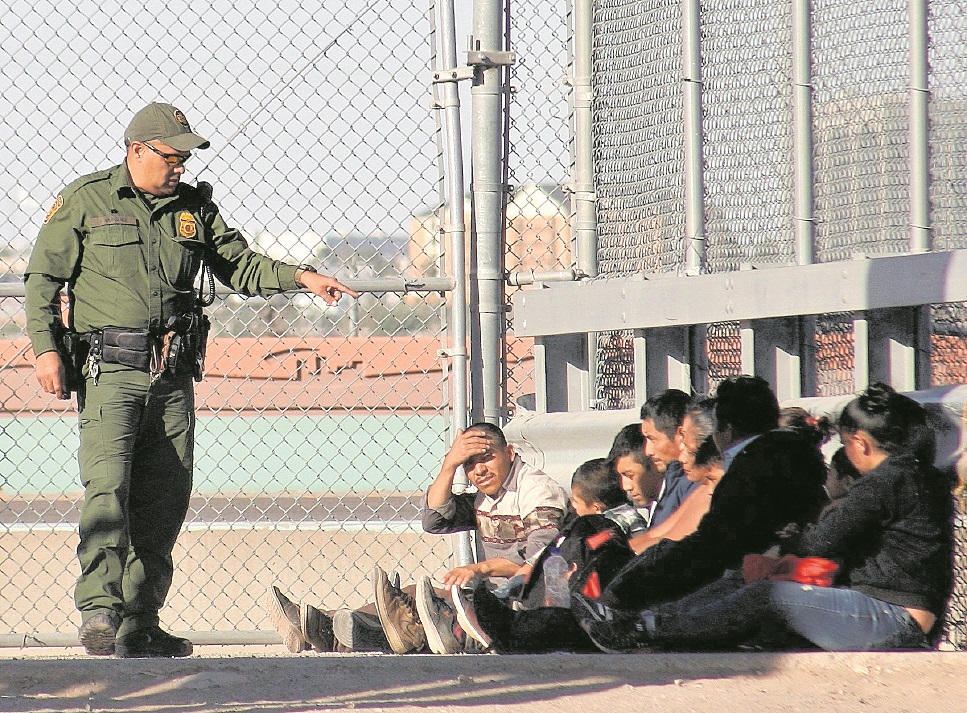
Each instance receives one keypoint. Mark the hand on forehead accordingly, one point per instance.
(480, 445)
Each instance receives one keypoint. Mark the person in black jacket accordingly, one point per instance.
(891, 537)
(773, 479)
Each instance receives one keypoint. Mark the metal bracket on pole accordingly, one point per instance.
(493, 58)
(452, 75)
(451, 352)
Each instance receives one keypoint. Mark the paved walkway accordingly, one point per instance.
(261, 680)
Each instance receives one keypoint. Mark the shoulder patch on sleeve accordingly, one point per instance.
(58, 204)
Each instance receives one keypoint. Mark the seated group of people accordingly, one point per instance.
(714, 523)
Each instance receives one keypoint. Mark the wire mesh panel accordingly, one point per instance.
(538, 210)
(615, 377)
(318, 427)
(860, 127)
(724, 352)
(835, 359)
(948, 355)
(747, 115)
(947, 29)
(638, 136)
(954, 631)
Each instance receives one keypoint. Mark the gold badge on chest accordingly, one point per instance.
(186, 226)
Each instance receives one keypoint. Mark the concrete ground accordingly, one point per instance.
(263, 679)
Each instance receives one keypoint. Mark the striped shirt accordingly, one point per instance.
(517, 522)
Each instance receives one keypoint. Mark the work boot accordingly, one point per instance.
(284, 614)
(398, 615)
(439, 619)
(359, 631)
(316, 627)
(97, 634)
(151, 643)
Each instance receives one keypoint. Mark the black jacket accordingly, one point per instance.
(777, 479)
(892, 533)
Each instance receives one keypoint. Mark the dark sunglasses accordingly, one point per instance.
(172, 159)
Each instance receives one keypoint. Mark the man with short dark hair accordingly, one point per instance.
(773, 478)
(516, 511)
(128, 243)
(661, 425)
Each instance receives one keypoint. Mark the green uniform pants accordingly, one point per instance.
(136, 451)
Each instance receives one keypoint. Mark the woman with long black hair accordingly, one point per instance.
(891, 537)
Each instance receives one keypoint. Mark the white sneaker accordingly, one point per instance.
(467, 618)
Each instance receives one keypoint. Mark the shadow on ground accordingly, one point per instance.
(275, 684)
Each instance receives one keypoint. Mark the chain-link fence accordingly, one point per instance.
(318, 427)
(538, 162)
(859, 63)
(852, 99)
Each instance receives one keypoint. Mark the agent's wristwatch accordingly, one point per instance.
(302, 269)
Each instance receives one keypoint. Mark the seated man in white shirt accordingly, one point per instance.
(516, 511)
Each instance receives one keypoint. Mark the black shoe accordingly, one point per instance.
(316, 628)
(97, 634)
(151, 643)
(493, 615)
(477, 640)
(611, 630)
(546, 629)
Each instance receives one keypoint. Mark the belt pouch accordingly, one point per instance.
(128, 347)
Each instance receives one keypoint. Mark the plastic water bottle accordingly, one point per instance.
(510, 589)
(556, 592)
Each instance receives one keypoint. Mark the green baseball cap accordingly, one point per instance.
(164, 123)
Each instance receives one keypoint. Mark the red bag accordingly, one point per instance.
(817, 571)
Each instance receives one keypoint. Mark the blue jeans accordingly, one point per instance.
(835, 619)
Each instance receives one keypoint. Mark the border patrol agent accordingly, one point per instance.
(128, 242)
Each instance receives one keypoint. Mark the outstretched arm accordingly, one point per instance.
(496, 567)
(329, 288)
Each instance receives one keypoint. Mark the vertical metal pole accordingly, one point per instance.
(583, 197)
(447, 98)
(694, 171)
(487, 269)
(454, 228)
(919, 135)
(802, 131)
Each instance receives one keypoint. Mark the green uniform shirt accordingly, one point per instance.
(131, 258)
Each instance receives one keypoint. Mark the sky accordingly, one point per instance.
(319, 122)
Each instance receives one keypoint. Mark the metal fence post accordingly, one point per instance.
(802, 99)
(487, 227)
(583, 196)
(454, 231)
(694, 164)
(919, 131)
